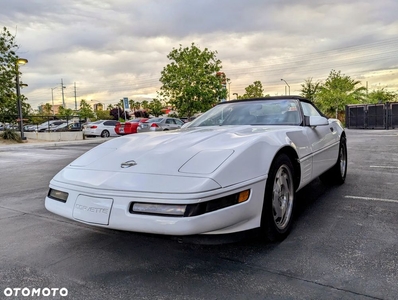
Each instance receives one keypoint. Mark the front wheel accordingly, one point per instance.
(279, 197)
(105, 134)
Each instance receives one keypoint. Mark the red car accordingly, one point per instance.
(129, 126)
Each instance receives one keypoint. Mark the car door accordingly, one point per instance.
(110, 126)
(323, 141)
(169, 124)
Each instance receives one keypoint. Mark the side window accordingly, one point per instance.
(110, 123)
(179, 122)
(170, 121)
(309, 109)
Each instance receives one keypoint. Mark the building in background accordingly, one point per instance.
(41, 108)
(98, 106)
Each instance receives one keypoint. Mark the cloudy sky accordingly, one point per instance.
(110, 49)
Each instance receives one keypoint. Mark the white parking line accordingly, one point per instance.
(372, 199)
(384, 167)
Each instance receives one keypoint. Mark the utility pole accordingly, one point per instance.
(75, 96)
(62, 89)
(52, 99)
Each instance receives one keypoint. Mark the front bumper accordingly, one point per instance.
(111, 209)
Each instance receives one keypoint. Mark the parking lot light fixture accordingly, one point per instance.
(287, 85)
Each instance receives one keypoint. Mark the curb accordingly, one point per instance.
(42, 143)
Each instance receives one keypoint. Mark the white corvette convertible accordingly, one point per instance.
(235, 168)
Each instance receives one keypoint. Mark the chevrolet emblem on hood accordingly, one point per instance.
(128, 164)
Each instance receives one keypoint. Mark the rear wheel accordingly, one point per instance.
(337, 174)
(279, 197)
(105, 134)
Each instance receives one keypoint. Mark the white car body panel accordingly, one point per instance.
(188, 166)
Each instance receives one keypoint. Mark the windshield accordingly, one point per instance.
(262, 112)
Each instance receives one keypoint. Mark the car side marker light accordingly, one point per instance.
(243, 196)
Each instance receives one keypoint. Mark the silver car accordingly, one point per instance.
(160, 124)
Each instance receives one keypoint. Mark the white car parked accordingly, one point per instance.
(235, 168)
(102, 128)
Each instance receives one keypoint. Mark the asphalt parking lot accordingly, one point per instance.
(344, 243)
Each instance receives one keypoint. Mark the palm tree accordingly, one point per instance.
(137, 105)
(132, 104)
(338, 91)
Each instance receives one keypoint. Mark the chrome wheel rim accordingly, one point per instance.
(282, 197)
(343, 161)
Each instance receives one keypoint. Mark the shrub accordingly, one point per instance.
(9, 134)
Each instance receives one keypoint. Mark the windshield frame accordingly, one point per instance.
(252, 112)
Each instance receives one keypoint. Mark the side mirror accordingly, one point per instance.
(318, 121)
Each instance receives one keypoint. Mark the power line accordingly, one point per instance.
(364, 57)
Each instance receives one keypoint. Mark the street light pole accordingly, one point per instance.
(287, 85)
(21, 61)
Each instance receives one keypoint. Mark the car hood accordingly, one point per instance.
(195, 153)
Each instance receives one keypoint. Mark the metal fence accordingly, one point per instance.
(31, 123)
(372, 116)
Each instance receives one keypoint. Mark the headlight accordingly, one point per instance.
(158, 209)
(189, 210)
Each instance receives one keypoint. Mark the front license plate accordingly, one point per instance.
(93, 210)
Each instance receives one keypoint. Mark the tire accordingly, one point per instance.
(338, 173)
(277, 214)
(105, 134)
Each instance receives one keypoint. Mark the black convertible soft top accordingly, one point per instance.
(294, 97)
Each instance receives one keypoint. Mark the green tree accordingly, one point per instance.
(338, 91)
(155, 107)
(381, 96)
(145, 104)
(65, 113)
(103, 115)
(85, 110)
(47, 109)
(254, 90)
(309, 89)
(132, 104)
(8, 72)
(189, 82)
